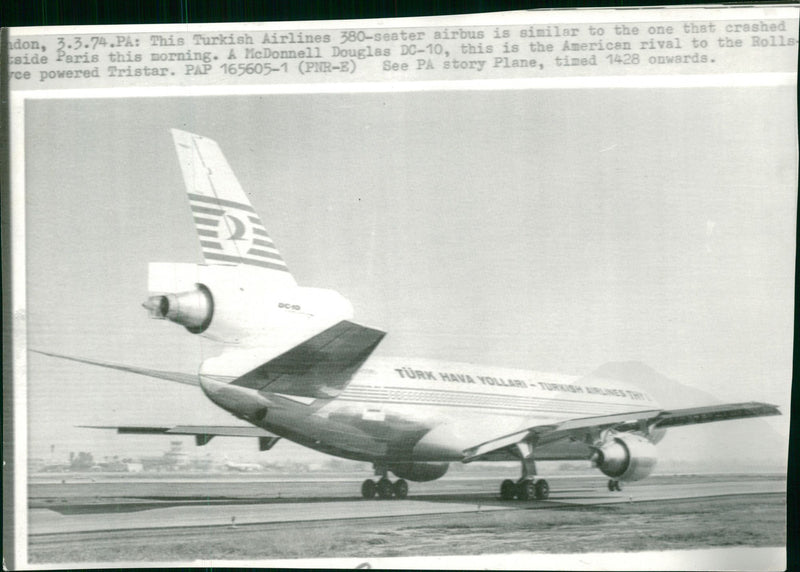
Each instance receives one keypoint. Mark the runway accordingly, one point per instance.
(459, 497)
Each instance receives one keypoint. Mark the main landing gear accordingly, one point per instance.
(613, 485)
(384, 488)
(526, 488)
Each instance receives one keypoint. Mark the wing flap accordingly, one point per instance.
(711, 413)
(543, 434)
(319, 367)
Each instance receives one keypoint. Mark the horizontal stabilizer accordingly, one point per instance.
(319, 367)
(178, 377)
(202, 433)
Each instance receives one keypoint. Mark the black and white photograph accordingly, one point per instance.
(379, 324)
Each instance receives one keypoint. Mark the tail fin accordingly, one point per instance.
(229, 229)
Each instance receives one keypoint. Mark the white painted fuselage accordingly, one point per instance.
(402, 410)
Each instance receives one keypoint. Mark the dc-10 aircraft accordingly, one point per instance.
(295, 366)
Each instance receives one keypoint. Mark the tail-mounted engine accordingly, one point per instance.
(231, 304)
(193, 309)
(625, 457)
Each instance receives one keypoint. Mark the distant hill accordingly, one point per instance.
(742, 446)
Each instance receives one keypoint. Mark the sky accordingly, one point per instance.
(551, 230)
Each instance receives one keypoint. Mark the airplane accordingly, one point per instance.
(242, 467)
(294, 365)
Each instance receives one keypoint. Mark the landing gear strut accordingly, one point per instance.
(384, 488)
(526, 488)
(613, 485)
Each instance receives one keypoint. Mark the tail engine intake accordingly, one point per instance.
(626, 457)
(193, 309)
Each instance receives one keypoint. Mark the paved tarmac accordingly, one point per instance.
(45, 521)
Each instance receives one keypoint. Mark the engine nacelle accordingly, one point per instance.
(420, 472)
(231, 304)
(193, 309)
(626, 457)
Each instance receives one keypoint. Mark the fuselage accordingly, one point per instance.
(412, 410)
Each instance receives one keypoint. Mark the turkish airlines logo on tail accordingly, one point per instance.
(232, 232)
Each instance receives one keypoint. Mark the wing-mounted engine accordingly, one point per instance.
(625, 456)
(231, 304)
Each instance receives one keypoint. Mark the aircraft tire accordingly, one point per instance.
(526, 490)
(384, 489)
(368, 488)
(400, 489)
(611, 485)
(617, 486)
(508, 490)
(541, 490)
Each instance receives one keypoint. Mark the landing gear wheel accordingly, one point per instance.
(526, 490)
(368, 488)
(541, 490)
(614, 485)
(400, 489)
(384, 489)
(617, 486)
(508, 490)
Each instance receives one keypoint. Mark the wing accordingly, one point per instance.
(319, 367)
(202, 433)
(177, 377)
(571, 439)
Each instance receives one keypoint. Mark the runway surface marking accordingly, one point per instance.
(644, 493)
(44, 521)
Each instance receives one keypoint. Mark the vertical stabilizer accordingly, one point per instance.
(229, 229)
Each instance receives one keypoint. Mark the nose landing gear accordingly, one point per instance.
(613, 485)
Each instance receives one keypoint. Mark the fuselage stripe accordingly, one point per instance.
(528, 410)
(483, 394)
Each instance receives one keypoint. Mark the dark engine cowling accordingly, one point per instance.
(420, 472)
(193, 309)
(626, 457)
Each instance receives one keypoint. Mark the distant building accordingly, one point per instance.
(173, 460)
(83, 461)
(132, 467)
